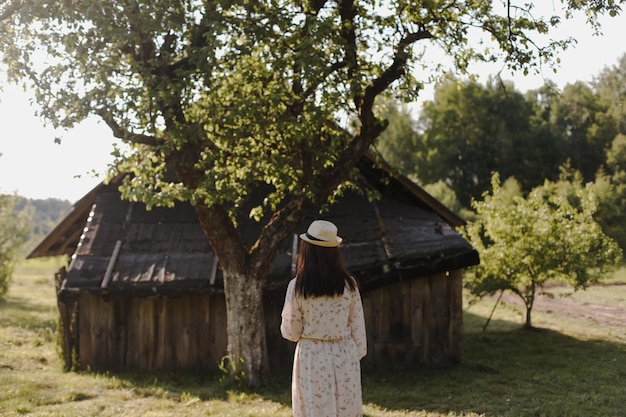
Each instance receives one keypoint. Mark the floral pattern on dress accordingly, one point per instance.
(330, 332)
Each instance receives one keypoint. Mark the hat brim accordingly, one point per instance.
(321, 243)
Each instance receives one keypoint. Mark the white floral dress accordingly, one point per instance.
(330, 331)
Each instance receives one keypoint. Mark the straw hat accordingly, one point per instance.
(322, 233)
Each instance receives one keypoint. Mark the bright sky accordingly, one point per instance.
(34, 166)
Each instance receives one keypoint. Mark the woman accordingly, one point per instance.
(324, 315)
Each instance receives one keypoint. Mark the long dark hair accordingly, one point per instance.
(321, 272)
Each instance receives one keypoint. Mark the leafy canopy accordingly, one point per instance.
(240, 92)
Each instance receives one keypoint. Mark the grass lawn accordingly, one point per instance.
(569, 366)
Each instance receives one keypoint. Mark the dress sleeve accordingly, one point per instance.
(291, 323)
(357, 324)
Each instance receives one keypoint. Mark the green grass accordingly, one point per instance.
(564, 368)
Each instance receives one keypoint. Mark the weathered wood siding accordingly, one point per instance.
(411, 324)
(280, 351)
(151, 334)
(415, 324)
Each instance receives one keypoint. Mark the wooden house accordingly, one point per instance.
(144, 291)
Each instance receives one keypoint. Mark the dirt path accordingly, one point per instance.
(575, 308)
(568, 307)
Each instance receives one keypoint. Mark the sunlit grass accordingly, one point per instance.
(563, 368)
(511, 314)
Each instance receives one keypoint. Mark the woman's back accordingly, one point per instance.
(324, 315)
(324, 318)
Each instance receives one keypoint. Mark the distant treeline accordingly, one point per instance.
(45, 215)
(470, 131)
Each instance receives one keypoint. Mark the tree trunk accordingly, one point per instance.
(528, 323)
(247, 358)
(247, 347)
(529, 301)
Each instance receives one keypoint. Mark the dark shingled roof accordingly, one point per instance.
(118, 245)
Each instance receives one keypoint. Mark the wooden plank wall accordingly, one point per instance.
(415, 324)
(280, 351)
(160, 333)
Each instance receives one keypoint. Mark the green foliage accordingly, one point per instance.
(611, 182)
(611, 87)
(611, 214)
(14, 228)
(583, 123)
(549, 236)
(232, 94)
(446, 196)
(470, 131)
(398, 143)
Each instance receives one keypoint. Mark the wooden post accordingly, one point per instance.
(65, 312)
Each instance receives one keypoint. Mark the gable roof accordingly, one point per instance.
(118, 245)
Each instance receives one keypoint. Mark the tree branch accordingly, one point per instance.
(125, 135)
(223, 236)
(371, 127)
(347, 11)
(278, 228)
(397, 67)
(295, 109)
(316, 5)
(333, 68)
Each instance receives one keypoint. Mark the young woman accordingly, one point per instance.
(324, 315)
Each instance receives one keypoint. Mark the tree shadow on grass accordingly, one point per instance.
(20, 312)
(203, 385)
(513, 372)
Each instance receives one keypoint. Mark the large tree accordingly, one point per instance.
(233, 94)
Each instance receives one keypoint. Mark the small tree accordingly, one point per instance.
(549, 236)
(13, 233)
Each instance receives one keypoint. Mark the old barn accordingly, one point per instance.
(143, 289)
